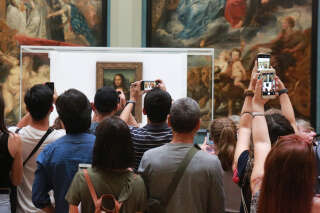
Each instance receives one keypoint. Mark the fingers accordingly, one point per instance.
(258, 88)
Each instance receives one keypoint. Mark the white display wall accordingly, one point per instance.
(75, 67)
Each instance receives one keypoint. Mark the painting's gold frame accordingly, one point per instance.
(135, 66)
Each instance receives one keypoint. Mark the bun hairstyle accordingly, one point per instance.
(223, 132)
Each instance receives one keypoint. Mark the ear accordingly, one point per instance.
(169, 121)
(51, 108)
(144, 111)
(93, 107)
(197, 126)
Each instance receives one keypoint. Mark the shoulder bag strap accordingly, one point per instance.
(178, 174)
(244, 205)
(91, 188)
(35, 149)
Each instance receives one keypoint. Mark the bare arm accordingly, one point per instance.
(261, 140)
(25, 121)
(243, 141)
(73, 209)
(14, 147)
(286, 106)
(135, 92)
(48, 209)
(57, 13)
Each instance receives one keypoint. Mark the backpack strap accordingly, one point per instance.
(35, 149)
(90, 186)
(98, 202)
(178, 174)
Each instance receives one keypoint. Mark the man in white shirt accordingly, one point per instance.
(39, 104)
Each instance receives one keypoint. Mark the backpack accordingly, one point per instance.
(316, 148)
(105, 198)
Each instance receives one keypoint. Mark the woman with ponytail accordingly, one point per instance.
(223, 132)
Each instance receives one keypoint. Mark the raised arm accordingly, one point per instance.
(135, 93)
(243, 141)
(14, 146)
(286, 106)
(261, 140)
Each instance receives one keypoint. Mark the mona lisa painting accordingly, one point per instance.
(119, 75)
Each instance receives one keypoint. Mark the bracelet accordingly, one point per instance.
(248, 92)
(282, 91)
(254, 114)
(246, 112)
(130, 101)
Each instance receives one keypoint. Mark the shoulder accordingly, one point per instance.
(58, 133)
(137, 181)
(207, 160)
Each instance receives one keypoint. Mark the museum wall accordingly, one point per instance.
(125, 23)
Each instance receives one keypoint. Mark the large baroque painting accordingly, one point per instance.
(42, 22)
(238, 30)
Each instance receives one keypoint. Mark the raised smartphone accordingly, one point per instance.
(268, 83)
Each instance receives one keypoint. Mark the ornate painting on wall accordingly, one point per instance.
(119, 75)
(199, 85)
(45, 22)
(237, 30)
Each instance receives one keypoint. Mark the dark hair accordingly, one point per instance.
(3, 127)
(289, 177)
(38, 101)
(184, 115)
(113, 148)
(278, 126)
(157, 104)
(74, 110)
(223, 131)
(122, 79)
(106, 100)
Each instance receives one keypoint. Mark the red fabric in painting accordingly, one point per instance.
(25, 40)
(235, 11)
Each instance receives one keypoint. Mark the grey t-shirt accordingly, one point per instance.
(200, 189)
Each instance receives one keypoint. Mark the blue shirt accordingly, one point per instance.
(93, 127)
(57, 164)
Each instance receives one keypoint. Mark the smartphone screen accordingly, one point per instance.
(269, 84)
(263, 61)
(148, 85)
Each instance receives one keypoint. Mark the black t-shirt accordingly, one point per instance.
(244, 170)
(6, 161)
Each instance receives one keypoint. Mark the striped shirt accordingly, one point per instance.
(148, 137)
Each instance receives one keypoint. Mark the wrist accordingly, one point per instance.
(257, 108)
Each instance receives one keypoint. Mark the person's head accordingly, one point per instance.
(74, 110)
(235, 54)
(289, 177)
(118, 80)
(304, 126)
(288, 22)
(184, 116)
(278, 126)
(157, 104)
(113, 147)
(39, 100)
(3, 127)
(106, 100)
(223, 132)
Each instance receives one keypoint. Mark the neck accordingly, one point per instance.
(40, 125)
(183, 137)
(102, 117)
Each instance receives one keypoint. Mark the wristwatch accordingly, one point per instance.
(248, 92)
(254, 114)
(282, 91)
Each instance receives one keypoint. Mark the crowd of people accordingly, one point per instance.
(264, 163)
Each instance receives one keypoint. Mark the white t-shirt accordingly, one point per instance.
(30, 138)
